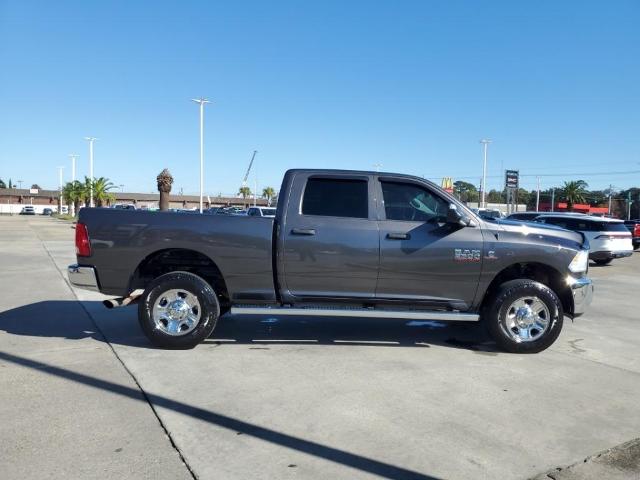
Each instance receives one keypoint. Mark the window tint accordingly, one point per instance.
(585, 225)
(336, 198)
(613, 227)
(404, 201)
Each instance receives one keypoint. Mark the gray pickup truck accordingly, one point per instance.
(342, 243)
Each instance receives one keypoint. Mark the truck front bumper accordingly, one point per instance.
(83, 277)
(582, 291)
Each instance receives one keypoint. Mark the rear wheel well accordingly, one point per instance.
(179, 259)
(539, 272)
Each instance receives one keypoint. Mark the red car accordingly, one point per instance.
(634, 228)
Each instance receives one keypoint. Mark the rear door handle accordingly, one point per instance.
(303, 231)
(398, 236)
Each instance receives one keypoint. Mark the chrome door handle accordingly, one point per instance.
(398, 236)
(303, 231)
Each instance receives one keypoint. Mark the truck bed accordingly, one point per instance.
(241, 247)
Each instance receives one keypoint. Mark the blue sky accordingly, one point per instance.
(410, 85)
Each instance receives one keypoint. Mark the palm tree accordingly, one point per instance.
(268, 193)
(574, 192)
(164, 187)
(73, 193)
(101, 195)
(245, 192)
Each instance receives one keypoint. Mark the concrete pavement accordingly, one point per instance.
(304, 398)
(50, 425)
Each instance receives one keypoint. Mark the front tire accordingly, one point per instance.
(524, 316)
(178, 310)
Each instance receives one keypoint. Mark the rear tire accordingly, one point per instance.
(524, 316)
(604, 261)
(178, 310)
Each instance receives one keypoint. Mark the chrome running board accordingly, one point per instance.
(357, 312)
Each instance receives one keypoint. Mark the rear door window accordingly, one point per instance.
(333, 197)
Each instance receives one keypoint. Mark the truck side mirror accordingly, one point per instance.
(455, 217)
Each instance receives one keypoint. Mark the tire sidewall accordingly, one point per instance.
(506, 295)
(209, 309)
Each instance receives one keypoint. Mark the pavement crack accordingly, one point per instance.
(126, 369)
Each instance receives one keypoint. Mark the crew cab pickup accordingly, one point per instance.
(342, 243)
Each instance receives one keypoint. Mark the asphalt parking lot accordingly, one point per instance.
(84, 395)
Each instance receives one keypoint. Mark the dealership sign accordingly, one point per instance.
(511, 179)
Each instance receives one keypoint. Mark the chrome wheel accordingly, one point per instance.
(176, 312)
(526, 319)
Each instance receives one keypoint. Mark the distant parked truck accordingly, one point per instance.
(342, 243)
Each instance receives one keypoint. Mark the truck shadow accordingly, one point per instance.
(263, 331)
(89, 319)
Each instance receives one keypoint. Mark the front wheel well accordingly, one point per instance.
(545, 274)
(179, 259)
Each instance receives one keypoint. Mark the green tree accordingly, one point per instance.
(73, 194)
(494, 196)
(467, 192)
(101, 194)
(10, 184)
(268, 193)
(245, 192)
(574, 192)
(2, 184)
(101, 188)
(36, 186)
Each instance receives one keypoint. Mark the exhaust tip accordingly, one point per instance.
(112, 303)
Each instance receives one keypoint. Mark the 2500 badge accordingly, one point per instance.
(466, 255)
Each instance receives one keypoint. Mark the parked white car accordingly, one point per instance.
(608, 238)
(262, 212)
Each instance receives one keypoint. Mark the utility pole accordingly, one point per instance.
(629, 205)
(610, 188)
(202, 102)
(90, 140)
(538, 195)
(485, 143)
(553, 199)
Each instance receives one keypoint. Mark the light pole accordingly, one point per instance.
(538, 195)
(73, 166)
(20, 182)
(485, 143)
(73, 158)
(90, 140)
(60, 189)
(201, 101)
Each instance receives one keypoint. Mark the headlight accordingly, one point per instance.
(579, 262)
